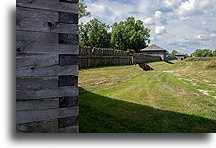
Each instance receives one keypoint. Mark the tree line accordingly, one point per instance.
(128, 34)
(197, 53)
(204, 53)
(124, 35)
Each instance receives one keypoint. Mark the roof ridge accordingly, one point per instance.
(153, 47)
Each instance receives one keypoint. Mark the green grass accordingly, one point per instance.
(178, 97)
(199, 59)
(211, 63)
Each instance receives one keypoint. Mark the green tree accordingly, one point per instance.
(198, 53)
(214, 53)
(203, 53)
(187, 55)
(130, 34)
(82, 9)
(174, 52)
(94, 34)
(168, 53)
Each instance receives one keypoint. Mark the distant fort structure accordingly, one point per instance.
(180, 56)
(155, 50)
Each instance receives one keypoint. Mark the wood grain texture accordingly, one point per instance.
(40, 115)
(24, 47)
(68, 102)
(53, 5)
(69, 39)
(37, 104)
(67, 121)
(39, 37)
(69, 1)
(46, 126)
(66, 59)
(47, 66)
(42, 87)
(70, 18)
(42, 65)
(43, 37)
(42, 21)
(72, 129)
(68, 80)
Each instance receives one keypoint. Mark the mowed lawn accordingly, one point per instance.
(174, 97)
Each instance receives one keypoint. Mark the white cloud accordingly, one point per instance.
(118, 10)
(187, 8)
(148, 21)
(111, 11)
(200, 37)
(187, 25)
(195, 7)
(213, 35)
(158, 14)
(170, 3)
(160, 30)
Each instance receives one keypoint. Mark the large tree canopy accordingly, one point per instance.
(203, 53)
(130, 34)
(94, 34)
(174, 52)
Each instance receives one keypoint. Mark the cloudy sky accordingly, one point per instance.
(183, 25)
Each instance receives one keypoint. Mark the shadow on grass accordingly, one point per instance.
(100, 114)
(102, 66)
(169, 62)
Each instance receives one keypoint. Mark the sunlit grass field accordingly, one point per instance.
(175, 97)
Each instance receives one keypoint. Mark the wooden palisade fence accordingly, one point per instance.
(47, 66)
(93, 57)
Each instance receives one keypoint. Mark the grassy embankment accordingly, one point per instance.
(178, 97)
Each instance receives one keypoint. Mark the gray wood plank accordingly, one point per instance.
(42, 65)
(40, 115)
(68, 102)
(72, 129)
(47, 38)
(68, 39)
(39, 37)
(66, 59)
(23, 47)
(70, 18)
(37, 104)
(53, 5)
(46, 126)
(68, 80)
(69, 1)
(42, 87)
(42, 21)
(67, 121)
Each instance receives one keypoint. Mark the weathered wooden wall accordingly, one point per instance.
(162, 54)
(93, 57)
(168, 58)
(140, 58)
(47, 66)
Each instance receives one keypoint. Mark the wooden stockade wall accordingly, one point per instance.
(140, 58)
(171, 58)
(93, 57)
(47, 66)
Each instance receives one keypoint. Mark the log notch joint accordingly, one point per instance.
(47, 66)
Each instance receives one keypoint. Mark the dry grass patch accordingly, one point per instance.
(210, 64)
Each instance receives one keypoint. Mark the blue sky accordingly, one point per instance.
(182, 25)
